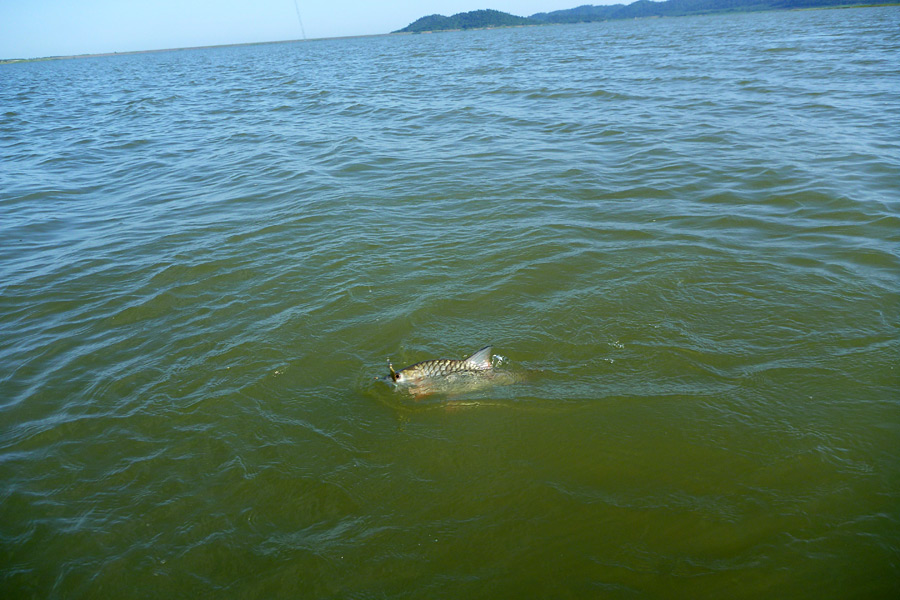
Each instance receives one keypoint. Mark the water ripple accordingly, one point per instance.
(681, 232)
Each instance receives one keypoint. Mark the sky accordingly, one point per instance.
(41, 28)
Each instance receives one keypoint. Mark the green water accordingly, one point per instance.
(681, 235)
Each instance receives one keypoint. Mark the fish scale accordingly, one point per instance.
(442, 366)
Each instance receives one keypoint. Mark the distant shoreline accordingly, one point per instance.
(8, 61)
(493, 19)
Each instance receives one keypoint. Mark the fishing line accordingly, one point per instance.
(303, 31)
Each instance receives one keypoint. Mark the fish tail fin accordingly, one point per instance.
(481, 359)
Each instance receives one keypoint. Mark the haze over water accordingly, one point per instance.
(682, 233)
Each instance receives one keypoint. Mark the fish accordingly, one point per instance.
(447, 376)
(442, 367)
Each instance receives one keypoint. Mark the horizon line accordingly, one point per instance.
(6, 61)
(180, 48)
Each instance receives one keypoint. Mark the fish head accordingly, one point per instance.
(403, 376)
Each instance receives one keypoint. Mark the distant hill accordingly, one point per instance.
(475, 19)
(642, 8)
(679, 8)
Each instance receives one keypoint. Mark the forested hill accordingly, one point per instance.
(642, 8)
(467, 20)
(680, 8)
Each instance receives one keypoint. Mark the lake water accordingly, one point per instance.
(683, 235)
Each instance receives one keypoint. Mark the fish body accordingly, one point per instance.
(462, 382)
(422, 372)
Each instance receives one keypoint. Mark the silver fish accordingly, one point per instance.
(449, 377)
(443, 367)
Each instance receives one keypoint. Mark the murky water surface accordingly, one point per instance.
(681, 235)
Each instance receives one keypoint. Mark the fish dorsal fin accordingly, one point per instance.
(481, 359)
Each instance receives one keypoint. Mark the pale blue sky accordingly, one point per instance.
(38, 28)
